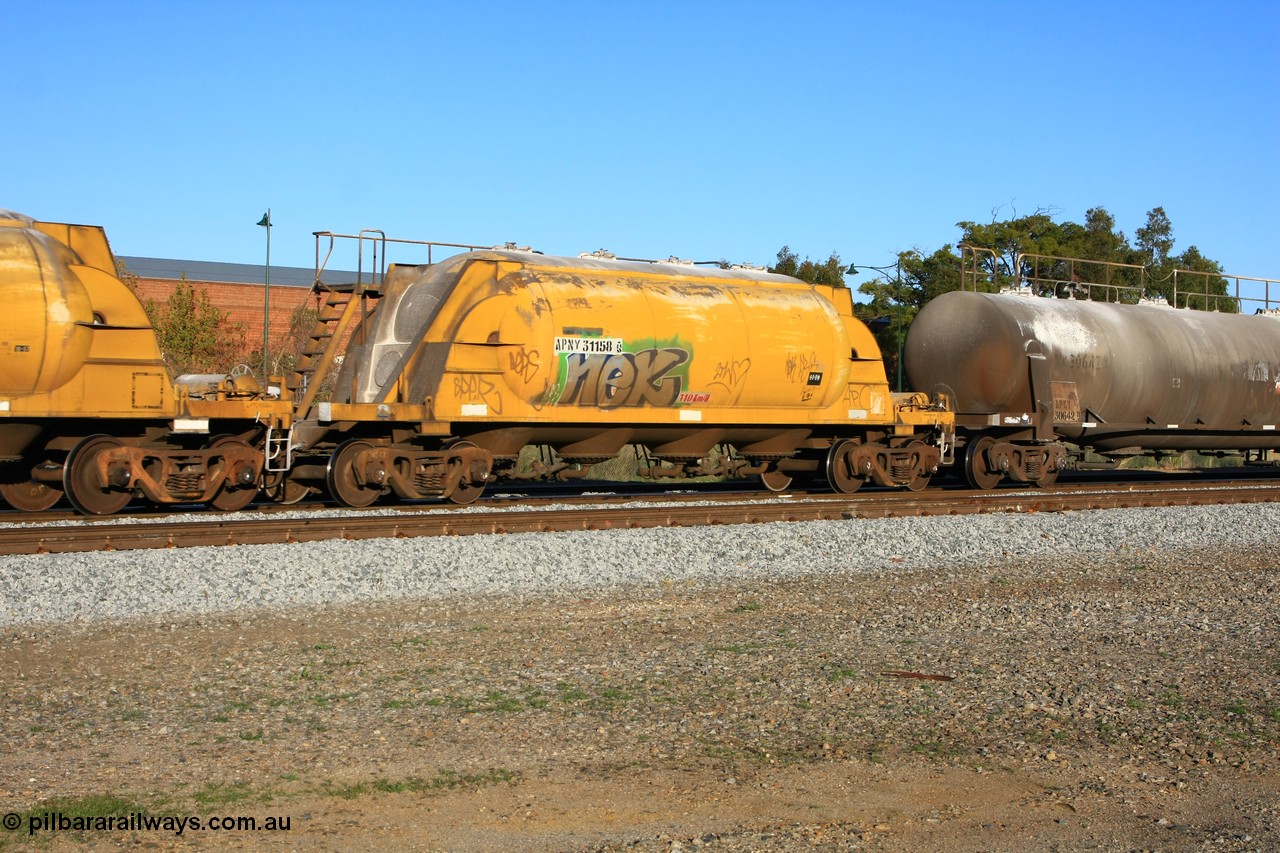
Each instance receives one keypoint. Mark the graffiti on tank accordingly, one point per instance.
(624, 379)
(526, 364)
(478, 389)
(730, 372)
(800, 364)
(863, 401)
(537, 401)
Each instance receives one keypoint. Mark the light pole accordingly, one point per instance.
(897, 297)
(265, 222)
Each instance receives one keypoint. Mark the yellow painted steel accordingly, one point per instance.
(540, 340)
(44, 339)
(75, 340)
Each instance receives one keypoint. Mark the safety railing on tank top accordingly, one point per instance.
(372, 246)
(983, 269)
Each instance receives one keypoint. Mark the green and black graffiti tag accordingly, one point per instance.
(646, 378)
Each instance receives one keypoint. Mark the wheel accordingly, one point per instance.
(466, 493)
(30, 496)
(341, 479)
(468, 488)
(232, 497)
(919, 482)
(775, 480)
(287, 492)
(840, 474)
(975, 464)
(80, 478)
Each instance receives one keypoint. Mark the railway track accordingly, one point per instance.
(590, 513)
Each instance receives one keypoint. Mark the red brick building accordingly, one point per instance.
(237, 289)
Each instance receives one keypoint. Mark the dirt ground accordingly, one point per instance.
(1129, 705)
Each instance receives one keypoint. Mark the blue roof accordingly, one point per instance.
(171, 269)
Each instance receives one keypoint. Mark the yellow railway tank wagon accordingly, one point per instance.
(463, 363)
(87, 408)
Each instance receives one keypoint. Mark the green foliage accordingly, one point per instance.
(1021, 248)
(829, 272)
(195, 336)
(1099, 253)
(1154, 241)
(287, 353)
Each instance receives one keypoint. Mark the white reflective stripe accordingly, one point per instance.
(325, 415)
(857, 414)
(1089, 424)
(690, 415)
(475, 410)
(191, 425)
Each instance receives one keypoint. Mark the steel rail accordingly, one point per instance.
(207, 531)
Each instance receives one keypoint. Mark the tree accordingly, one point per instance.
(1100, 253)
(1200, 284)
(194, 335)
(1154, 241)
(1059, 255)
(829, 272)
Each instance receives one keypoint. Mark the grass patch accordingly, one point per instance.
(571, 692)
(308, 674)
(93, 805)
(224, 793)
(445, 780)
(609, 699)
(85, 808)
(498, 702)
(937, 749)
(748, 649)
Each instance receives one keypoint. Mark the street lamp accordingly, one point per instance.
(265, 222)
(897, 296)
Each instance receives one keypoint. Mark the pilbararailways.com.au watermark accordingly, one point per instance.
(142, 822)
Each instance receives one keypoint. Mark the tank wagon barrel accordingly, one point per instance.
(1028, 373)
(711, 371)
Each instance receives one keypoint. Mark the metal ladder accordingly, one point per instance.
(341, 306)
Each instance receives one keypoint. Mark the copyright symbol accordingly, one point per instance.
(12, 821)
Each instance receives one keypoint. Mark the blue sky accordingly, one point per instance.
(705, 130)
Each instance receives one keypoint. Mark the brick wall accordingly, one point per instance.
(243, 304)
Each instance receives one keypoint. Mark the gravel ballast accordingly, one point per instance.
(58, 588)
(1092, 680)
